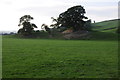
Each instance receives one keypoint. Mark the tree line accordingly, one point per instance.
(73, 18)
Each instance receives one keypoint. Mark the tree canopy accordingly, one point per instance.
(72, 18)
(28, 27)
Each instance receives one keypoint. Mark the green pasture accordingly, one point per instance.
(95, 57)
(47, 58)
(100, 26)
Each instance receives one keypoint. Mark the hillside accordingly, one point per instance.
(106, 26)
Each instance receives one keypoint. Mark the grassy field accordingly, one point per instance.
(106, 25)
(51, 58)
(42, 58)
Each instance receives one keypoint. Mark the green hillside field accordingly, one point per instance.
(96, 57)
(106, 26)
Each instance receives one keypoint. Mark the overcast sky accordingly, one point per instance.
(43, 10)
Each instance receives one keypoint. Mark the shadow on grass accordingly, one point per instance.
(95, 36)
(107, 36)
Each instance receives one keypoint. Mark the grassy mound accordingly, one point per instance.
(109, 25)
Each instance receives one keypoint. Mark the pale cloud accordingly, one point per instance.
(102, 8)
(102, 12)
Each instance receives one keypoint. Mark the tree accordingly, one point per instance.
(44, 26)
(87, 25)
(28, 27)
(72, 18)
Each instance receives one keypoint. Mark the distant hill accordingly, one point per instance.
(7, 32)
(106, 26)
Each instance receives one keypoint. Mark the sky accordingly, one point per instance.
(43, 10)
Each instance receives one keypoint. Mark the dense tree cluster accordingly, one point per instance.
(72, 18)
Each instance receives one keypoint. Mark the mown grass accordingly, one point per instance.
(43, 58)
(100, 26)
(104, 35)
(110, 30)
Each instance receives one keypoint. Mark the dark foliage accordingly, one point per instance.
(44, 26)
(72, 18)
(28, 27)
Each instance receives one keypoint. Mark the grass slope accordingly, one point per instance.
(42, 58)
(106, 26)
